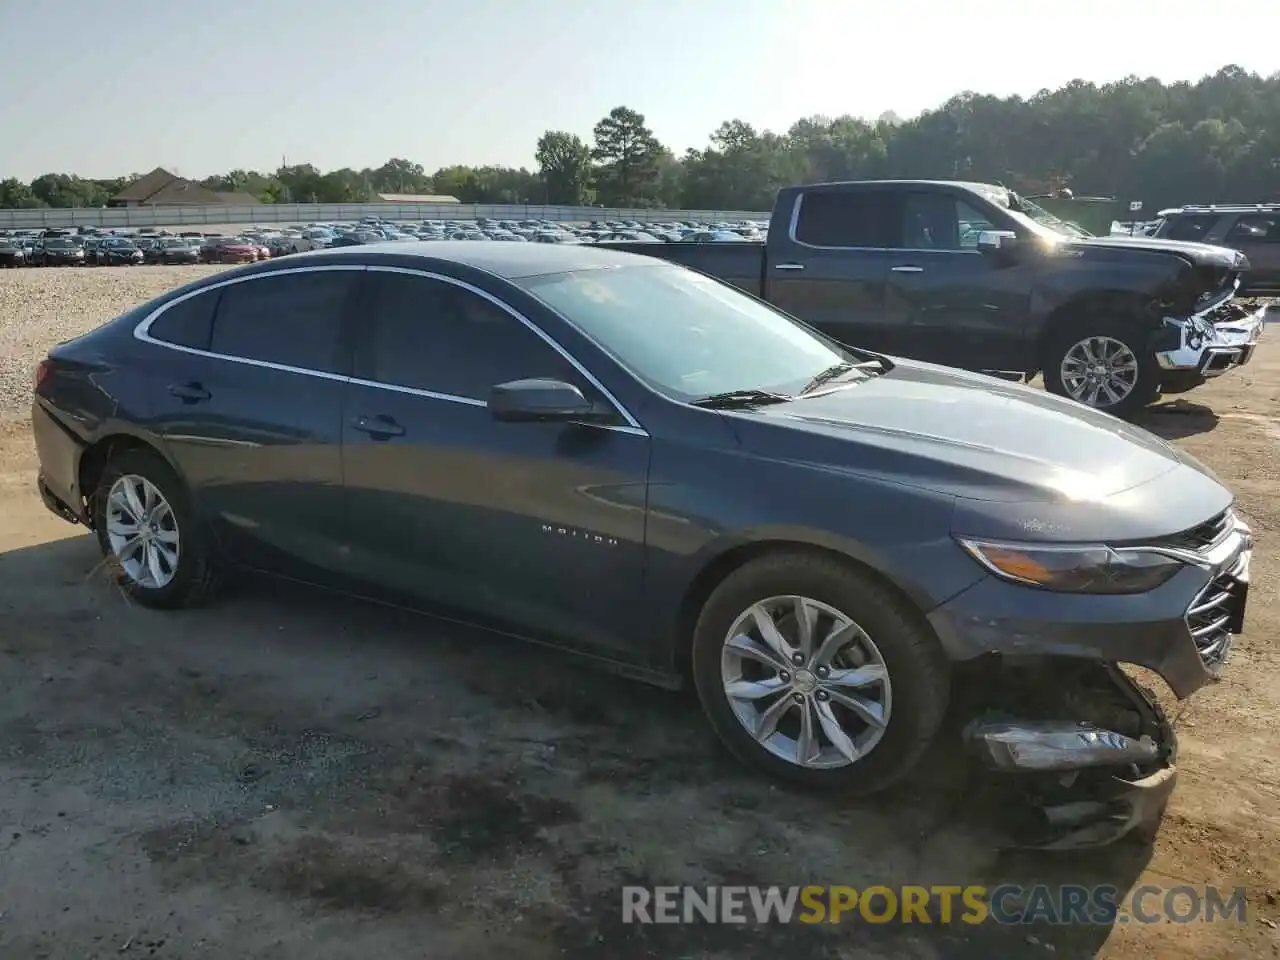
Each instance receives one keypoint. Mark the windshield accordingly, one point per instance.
(57, 243)
(1028, 211)
(686, 335)
(117, 243)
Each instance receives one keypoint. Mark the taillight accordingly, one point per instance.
(43, 369)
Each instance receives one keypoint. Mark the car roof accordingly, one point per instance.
(507, 260)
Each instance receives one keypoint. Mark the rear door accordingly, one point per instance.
(946, 302)
(538, 525)
(828, 265)
(249, 402)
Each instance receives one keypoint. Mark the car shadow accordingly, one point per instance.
(370, 731)
(1176, 419)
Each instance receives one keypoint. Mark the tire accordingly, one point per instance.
(914, 698)
(1104, 333)
(195, 577)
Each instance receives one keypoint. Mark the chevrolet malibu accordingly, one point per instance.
(652, 468)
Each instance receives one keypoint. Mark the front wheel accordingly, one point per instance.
(1106, 366)
(144, 522)
(816, 674)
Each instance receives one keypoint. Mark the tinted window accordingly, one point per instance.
(936, 221)
(436, 336)
(1256, 228)
(1190, 227)
(188, 323)
(292, 318)
(847, 219)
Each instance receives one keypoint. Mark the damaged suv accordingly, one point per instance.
(642, 463)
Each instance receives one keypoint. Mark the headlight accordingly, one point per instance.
(1077, 568)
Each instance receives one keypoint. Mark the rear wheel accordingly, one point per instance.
(814, 673)
(144, 522)
(1105, 365)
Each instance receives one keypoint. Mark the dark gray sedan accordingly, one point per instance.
(647, 466)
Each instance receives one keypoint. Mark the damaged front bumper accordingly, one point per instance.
(1078, 784)
(1210, 343)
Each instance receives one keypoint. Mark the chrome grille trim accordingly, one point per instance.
(1210, 616)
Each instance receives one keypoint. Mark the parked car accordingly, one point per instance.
(1253, 229)
(973, 276)
(11, 253)
(58, 251)
(116, 251)
(228, 250)
(645, 464)
(174, 250)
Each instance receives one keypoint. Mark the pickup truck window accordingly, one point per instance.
(854, 218)
(938, 221)
(684, 334)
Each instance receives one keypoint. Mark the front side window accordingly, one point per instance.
(684, 334)
(938, 221)
(293, 319)
(849, 218)
(431, 335)
(1194, 227)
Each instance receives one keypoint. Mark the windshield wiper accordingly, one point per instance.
(879, 364)
(738, 399)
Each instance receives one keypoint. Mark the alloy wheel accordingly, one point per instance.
(142, 531)
(1099, 371)
(806, 681)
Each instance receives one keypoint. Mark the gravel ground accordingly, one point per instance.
(287, 774)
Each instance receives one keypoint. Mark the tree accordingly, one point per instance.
(626, 154)
(564, 163)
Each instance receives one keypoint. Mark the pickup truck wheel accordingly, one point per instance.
(818, 675)
(1105, 367)
(144, 523)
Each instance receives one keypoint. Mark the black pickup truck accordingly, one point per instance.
(972, 275)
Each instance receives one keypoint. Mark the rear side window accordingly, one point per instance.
(187, 323)
(1190, 227)
(848, 219)
(1256, 228)
(293, 319)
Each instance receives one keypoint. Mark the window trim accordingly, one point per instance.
(142, 333)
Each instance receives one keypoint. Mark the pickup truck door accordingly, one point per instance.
(827, 262)
(946, 302)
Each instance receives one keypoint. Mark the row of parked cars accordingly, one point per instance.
(91, 247)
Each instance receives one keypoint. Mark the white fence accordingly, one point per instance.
(338, 212)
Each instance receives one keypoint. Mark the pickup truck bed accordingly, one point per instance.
(741, 264)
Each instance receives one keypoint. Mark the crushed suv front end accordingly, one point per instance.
(1049, 705)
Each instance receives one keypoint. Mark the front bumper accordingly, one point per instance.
(1209, 348)
(1091, 754)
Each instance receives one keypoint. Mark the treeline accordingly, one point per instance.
(1163, 144)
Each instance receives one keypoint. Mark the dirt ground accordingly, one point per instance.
(288, 774)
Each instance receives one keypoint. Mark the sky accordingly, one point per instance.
(103, 88)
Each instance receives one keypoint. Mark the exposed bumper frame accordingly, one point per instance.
(1209, 349)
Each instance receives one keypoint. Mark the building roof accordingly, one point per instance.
(417, 198)
(146, 186)
(508, 260)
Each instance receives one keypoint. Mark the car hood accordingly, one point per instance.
(1197, 254)
(1011, 454)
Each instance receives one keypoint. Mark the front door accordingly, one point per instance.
(947, 303)
(250, 406)
(536, 525)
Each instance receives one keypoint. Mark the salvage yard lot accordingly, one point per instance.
(287, 774)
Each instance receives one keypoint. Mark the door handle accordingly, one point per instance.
(788, 266)
(381, 427)
(189, 392)
(907, 269)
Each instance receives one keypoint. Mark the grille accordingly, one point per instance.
(1216, 613)
(1203, 535)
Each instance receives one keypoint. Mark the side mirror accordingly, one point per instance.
(536, 400)
(993, 241)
